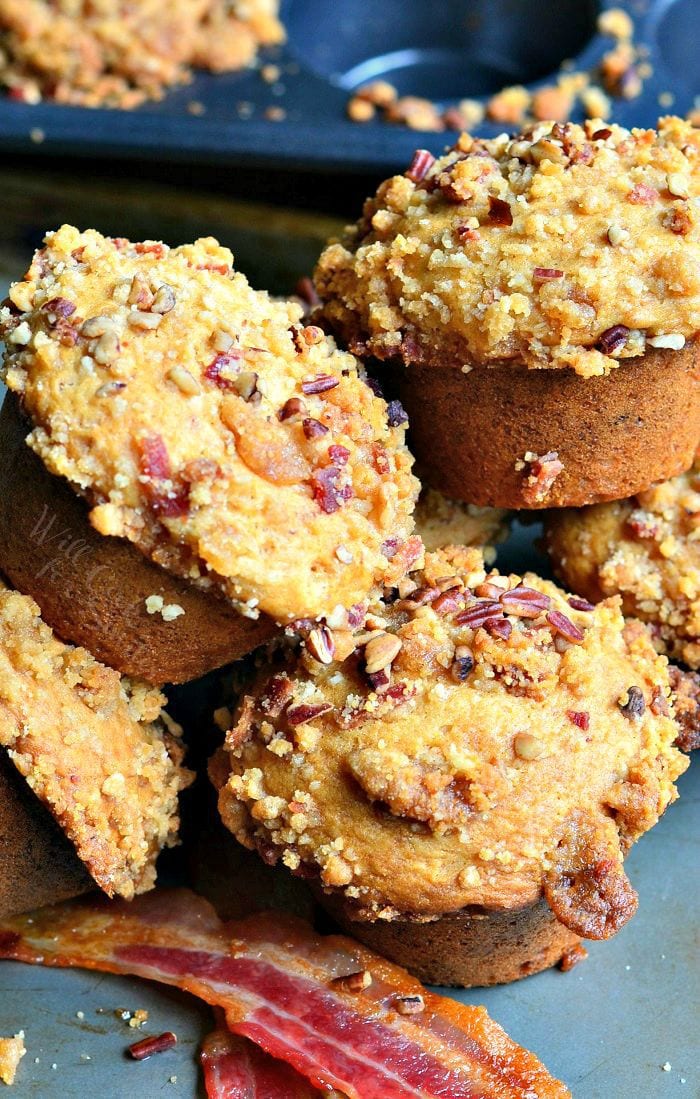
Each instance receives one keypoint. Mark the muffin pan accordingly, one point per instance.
(444, 51)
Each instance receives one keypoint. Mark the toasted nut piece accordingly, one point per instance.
(353, 982)
(96, 326)
(222, 340)
(164, 300)
(409, 1005)
(107, 348)
(677, 184)
(184, 381)
(140, 292)
(527, 746)
(674, 341)
(321, 645)
(380, 650)
(138, 319)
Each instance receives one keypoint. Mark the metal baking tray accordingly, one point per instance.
(607, 1028)
(445, 50)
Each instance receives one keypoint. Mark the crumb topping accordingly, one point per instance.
(645, 549)
(471, 728)
(96, 749)
(12, 1050)
(114, 53)
(205, 422)
(565, 246)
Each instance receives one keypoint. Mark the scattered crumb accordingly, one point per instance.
(666, 1066)
(80, 1014)
(275, 114)
(37, 136)
(168, 611)
(196, 107)
(12, 1050)
(666, 99)
(154, 604)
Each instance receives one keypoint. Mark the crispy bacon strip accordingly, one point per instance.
(236, 1069)
(273, 977)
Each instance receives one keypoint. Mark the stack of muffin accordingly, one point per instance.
(456, 759)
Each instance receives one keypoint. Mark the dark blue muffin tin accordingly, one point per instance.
(445, 50)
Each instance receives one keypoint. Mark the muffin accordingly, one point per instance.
(644, 549)
(534, 303)
(90, 769)
(200, 463)
(444, 522)
(463, 786)
(119, 53)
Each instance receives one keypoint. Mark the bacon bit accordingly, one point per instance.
(499, 627)
(353, 982)
(167, 498)
(409, 1005)
(565, 627)
(641, 526)
(524, 602)
(466, 234)
(642, 194)
(151, 247)
(328, 495)
(356, 615)
(214, 371)
(319, 384)
(379, 681)
(546, 274)
(612, 339)
(307, 711)
(500, 212)
(571, 957)
(634, 706)
(59, 307)
(580, 718)
(148, 1046)
(542, 473)
(313, 428)
(659, 703)
(679, 221)
(580, 604)
(338, 454)
(396, 414)
(420, 165)
(217, 268)
(380, 459)
(276, 695)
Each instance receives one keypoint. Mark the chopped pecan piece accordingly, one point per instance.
(685, 691)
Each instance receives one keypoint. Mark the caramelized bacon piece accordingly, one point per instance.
(586, 887)
(236, 1069)
(273, 977)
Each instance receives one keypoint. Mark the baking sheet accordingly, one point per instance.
(446, 50)
(607, 1028)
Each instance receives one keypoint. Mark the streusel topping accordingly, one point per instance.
(564, 246)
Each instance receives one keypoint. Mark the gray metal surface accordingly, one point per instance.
(607, 1028)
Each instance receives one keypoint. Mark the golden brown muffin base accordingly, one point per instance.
(476, 946)
(615, 434)
(38, 865)
(92, 589)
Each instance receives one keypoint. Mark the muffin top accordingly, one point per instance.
(487, 737)
(231, 443)
(647, 550)
(97, 750)
(444, 522)
(564, 246)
